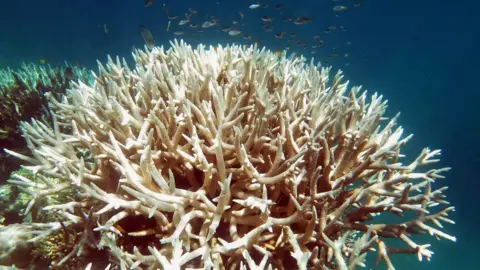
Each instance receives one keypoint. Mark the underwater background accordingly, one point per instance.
(423, 56)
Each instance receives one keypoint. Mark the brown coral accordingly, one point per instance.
(233, 158)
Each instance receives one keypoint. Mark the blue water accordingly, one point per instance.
(423, 56)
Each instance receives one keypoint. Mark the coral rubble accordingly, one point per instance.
(230, 158)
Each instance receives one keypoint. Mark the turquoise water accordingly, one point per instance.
(421, 55)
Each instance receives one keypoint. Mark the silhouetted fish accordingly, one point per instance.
(68, 74)
(147, 37)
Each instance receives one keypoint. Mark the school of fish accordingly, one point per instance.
(275, 20)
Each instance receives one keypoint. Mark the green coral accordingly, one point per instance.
(22, 94)
(14, 200)
(22, 91)
(52, 247)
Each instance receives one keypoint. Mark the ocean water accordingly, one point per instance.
(423, 56)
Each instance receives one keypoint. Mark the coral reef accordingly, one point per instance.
(22, 94)
(230, 158)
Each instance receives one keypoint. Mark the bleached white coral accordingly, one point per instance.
(232, 157)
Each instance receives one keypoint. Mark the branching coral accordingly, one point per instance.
(21, 92)
(232, 158)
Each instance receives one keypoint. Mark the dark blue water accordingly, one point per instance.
(423, 56)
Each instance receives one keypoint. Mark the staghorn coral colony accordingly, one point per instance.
(227, 158)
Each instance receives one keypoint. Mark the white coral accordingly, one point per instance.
(233, 151)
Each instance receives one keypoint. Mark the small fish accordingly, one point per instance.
(358, 4)
(254, 6)
(42, 61)
(226, 28)
(69, 74)
(280, 35)
(330, 29)
(302, 20)
(186, 20)
(105, 28)
(183, 22)
(194, 25)
(193, 11)
(172, 17)
(234, 32)
(247, 37)
(298, 21)
(147, 37)
(340, 8)
(148, 3)
(178, 33)
(267, 19)
(208, 24)
(241, 14)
